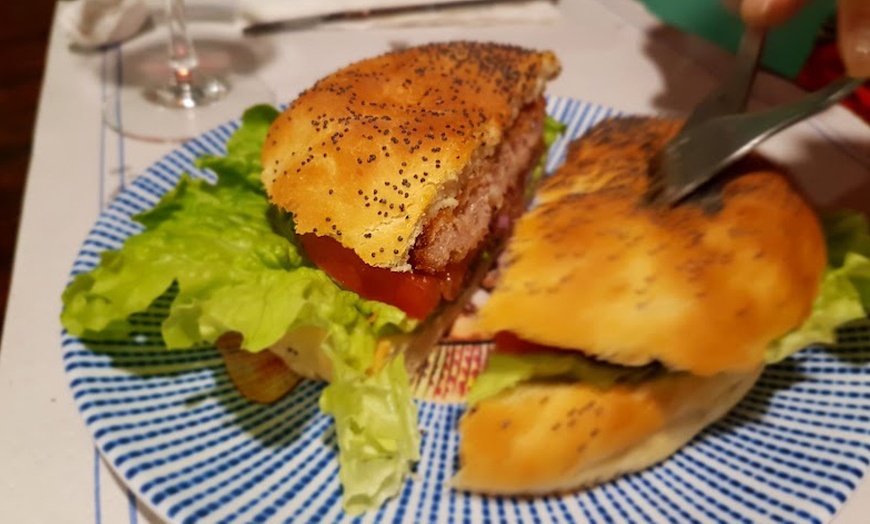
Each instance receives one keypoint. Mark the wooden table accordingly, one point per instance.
(24, 30)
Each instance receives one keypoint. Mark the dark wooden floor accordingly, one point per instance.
(24, 28)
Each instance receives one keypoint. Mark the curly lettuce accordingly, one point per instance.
(506, 370)
(844, 293)
(234, 266)
(553, 129)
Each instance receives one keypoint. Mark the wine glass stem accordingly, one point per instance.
(182, 54)
(189, 89)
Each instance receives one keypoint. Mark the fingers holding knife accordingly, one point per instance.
(768, 13)
(853, 26)
(854, 36)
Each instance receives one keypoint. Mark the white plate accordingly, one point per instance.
(173, 427)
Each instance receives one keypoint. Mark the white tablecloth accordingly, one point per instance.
(613, 54)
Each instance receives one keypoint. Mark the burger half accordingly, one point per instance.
(341, 234)
(623, 328)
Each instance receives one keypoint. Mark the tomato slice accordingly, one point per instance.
(415, 294)
(507, 342)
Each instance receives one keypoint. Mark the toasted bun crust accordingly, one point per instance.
(703, 287)
(543, 438)
(371, 151)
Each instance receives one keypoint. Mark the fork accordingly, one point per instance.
(672, 180)
(711, 146)
(719, 132)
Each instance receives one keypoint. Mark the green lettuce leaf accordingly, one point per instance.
(244, 146)
(231, 260)
(844, 293)
(506, 370)
(376, 427)
(845, 232)
(838, 302)
(552, 130)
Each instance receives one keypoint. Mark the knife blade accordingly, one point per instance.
(310, 21)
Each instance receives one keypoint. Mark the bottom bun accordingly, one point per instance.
(553, 437)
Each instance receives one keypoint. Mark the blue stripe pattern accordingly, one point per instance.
(173, 427)
(98, 509)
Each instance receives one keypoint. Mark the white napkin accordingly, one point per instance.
(97, 23)
(527, 11)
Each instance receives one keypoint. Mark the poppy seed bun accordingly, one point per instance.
(544, 438)
(703, 287)
(372, 152)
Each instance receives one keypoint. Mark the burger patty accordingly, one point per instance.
(489, 187)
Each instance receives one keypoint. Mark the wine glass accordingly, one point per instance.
(188, 103)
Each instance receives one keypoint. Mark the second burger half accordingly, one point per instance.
(623, 329)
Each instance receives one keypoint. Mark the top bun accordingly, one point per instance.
(371, 151)
(702, 287)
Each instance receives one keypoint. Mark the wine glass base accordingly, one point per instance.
(187, 96)
(176, 113)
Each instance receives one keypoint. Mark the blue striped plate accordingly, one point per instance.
(174, 429)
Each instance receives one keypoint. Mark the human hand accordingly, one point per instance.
(853, 26)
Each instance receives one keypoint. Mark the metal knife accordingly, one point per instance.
(307, 22)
